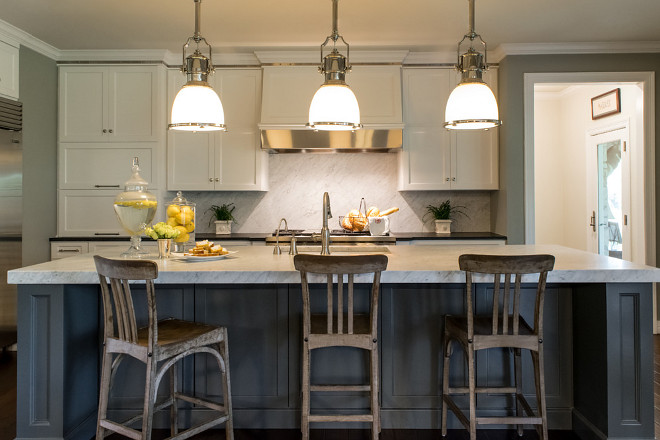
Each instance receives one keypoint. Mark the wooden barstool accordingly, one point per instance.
(329, 329)
(503, 328)
(166, 341)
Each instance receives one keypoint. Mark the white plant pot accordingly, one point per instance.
(443, 227)
(223, 227)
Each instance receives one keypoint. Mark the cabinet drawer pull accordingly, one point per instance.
(68, 250)
(106, 186)
(106, 233)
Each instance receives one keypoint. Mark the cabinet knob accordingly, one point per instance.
(217, 179)
(110, 131)
(453, 179)
(210, 179)
(447, 179)
(105, 131)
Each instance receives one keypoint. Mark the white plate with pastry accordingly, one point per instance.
(188, 257)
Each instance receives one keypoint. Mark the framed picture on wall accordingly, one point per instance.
(606, 104)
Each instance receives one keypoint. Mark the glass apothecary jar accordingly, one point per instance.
(181, 215)
(135, 209)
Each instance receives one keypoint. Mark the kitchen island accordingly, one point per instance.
(598, 341)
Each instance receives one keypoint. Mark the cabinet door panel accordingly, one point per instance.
(87, 213)
(236, 160)
(426, 92)
(82, 166)
(378, 91)
(82, 104)
(258, 344)
(475, 159)
(190, 159)
(412, 333)
(426, 159)
(134, 104)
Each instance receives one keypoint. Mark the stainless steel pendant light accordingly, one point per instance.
(334, 106)
(472, 105)
(197, 106)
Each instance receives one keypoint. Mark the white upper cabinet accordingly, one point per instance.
(8, 70)
(221, 161)
(434, 158)
(110, 103)
(288, 91)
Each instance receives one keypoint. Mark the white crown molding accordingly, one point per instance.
(504, 50)
(430, 58)
(314, 56)
(14, 36)
(111, 55)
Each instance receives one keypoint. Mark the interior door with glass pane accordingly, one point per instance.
(608, 192)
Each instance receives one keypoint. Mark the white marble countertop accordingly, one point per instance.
(407, 264)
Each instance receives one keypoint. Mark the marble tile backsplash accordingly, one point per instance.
(297, 183)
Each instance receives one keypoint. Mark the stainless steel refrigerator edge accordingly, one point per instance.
(11, 205)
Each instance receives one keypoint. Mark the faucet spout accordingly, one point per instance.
(325, 232)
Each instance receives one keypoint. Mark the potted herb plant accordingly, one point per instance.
(223, 216)
(442, 215)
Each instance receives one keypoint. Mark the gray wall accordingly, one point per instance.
(38, 92)
(507, 205)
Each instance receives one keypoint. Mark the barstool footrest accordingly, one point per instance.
(457, 411)
(340, 388)
(341, 418)
(483, 390)
(158, 407)
(197, 429)
(199, 401)
(121, 429)
(509, 420)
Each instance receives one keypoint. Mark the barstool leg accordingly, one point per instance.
(537, 358)
(149, 397)
(473, 394)
(174, 409)
(518, 379)
(106, 373)
(226, 387)
(304, 419)
(445, 383)
(375, 407)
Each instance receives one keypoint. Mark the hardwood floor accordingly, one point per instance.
(8, 419)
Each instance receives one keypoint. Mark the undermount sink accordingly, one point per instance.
(342, 250)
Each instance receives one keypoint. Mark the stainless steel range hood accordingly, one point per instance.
(310, 141)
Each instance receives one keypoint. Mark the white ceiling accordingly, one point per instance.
(245, 25)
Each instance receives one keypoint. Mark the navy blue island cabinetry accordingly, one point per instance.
(597, 338)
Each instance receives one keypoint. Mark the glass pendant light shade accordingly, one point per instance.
(471, 106)
(197, 108)
(334, 107)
